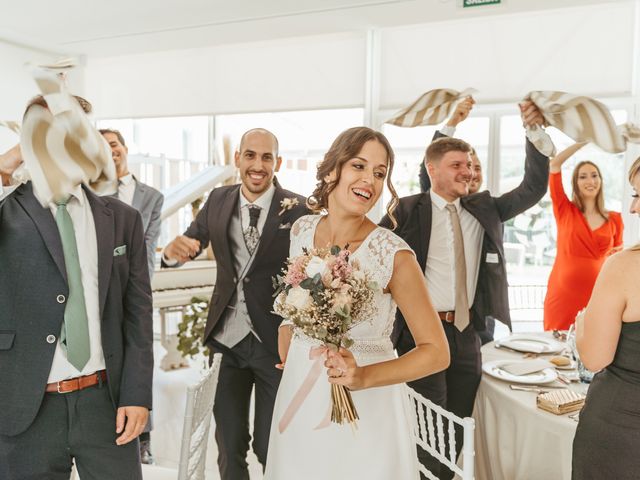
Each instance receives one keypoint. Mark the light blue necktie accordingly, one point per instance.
(74, 337)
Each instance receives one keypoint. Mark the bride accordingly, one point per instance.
(350, 181)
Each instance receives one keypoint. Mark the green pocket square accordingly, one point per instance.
(121, 250)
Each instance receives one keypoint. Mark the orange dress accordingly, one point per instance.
(581, 253)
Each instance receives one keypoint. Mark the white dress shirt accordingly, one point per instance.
(85, 232)
(440, 269)
(6, 190)
(126, 188)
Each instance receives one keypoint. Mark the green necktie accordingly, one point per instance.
(74, 337)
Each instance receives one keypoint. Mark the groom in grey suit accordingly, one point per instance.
(72, 270)
(249, 227)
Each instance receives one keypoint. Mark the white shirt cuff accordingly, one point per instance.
(169, 262)
(448, 130)
(541, 140)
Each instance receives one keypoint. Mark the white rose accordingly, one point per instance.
(316, 265)
(299, 298)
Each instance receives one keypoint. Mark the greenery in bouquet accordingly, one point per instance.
(191, 328)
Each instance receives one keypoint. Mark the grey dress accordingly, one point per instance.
(608, 434)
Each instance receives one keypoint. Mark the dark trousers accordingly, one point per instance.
(453, 389)
(486, 335)
(244, 367)
(79, 425)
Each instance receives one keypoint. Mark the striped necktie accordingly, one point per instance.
(74, 337)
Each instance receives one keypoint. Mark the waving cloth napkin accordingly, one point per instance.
(60, 146)
(584, 120)
(430, 109)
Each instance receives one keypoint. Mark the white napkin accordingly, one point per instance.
(526, 367)
(525, 345)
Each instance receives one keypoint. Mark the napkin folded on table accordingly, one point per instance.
(526, 367)
(524, 345)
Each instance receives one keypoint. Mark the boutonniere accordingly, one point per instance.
(288, 204)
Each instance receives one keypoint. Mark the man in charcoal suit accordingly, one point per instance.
(457, 239)
(248, 226)
(76, 358)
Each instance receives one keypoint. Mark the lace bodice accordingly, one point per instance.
(376, 255)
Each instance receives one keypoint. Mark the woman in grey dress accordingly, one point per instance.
(608, 338)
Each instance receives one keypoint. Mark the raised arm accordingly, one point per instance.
(536, 171)
(598, 327)
(431, 354)
(555, 163)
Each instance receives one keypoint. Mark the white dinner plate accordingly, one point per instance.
(523, 342)
(492, 368)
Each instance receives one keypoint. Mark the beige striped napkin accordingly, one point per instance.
(430, 109)
(60, 146)
(13, 126)
(584, 120)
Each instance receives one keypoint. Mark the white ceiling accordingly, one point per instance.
(118, 27)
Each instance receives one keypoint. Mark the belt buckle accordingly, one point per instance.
(449, 316)
(58, 384)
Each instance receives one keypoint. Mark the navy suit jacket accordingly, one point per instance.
(32, 276)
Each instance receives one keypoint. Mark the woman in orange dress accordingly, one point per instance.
(587, 234)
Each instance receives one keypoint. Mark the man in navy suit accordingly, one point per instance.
(62, 400)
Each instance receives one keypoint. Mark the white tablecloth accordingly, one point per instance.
(514, 439)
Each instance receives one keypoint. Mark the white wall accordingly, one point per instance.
(585, 49)
(301, 73)
(18, 87)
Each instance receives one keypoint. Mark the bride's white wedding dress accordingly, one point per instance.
(381, 447)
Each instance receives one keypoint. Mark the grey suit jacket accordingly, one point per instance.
(148, 201)
(33, 274)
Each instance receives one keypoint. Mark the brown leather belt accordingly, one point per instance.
(78, 383)
(448, 317)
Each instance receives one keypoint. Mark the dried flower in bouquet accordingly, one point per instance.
(324, 295)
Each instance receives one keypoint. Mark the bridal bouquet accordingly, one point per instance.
(324, 295)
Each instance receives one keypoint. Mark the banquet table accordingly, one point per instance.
(513, 438)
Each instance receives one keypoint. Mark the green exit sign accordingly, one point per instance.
(479, 3)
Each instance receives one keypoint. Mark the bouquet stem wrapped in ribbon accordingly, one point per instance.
(323, 294)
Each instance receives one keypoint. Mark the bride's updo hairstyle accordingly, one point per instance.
(344, 148)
